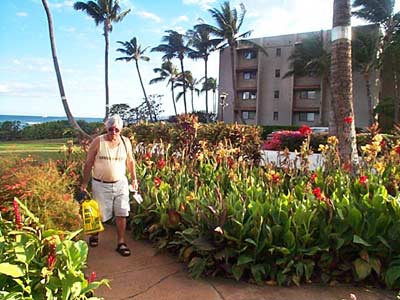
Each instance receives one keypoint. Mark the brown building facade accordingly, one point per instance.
(265, 96)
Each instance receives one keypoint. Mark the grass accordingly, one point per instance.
(40, 149)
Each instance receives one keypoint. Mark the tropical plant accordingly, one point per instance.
(190, 83)
(133, 51)
(175, 46)
(64, 101)
(211, 85)
(342, 86)
(365, 60)
(39, 263)
(310, 58)
(229, 23)
(201, 46)
(170, 73)
(382, 13)
(104, 12)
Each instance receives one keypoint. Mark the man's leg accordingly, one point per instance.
(121, 227)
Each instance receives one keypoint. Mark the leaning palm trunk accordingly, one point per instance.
(206, 81)
(367, 81)
(70, 117)
(184, 85)
(341, 83)
(173, 98)
(107, 45)
(152, 117)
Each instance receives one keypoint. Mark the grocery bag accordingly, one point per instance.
(91, 217)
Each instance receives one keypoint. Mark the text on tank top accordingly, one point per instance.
(110, 163)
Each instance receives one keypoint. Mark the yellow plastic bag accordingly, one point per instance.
(91, 217)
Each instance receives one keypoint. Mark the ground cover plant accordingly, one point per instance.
(39, 263)
(223, 215)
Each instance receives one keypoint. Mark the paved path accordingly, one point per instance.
(147, 275)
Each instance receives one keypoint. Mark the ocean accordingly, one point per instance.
(30, 120)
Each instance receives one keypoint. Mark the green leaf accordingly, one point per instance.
(258, 271)
(203, 244)
(14, 271)
(375, 264)
(355, 217)
(237, 271)
(358, 240)
(392, 275)
(251, 241)
(363, 268)
(244, 259)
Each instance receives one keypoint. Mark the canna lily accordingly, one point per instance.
(157, 181)
(348, 120)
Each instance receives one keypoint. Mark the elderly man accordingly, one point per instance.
(108, 156)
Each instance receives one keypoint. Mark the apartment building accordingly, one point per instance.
(265, 96)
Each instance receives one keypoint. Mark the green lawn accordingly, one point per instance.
(39, 149)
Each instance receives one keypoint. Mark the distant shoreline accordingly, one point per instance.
(30, 120)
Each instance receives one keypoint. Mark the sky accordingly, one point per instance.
(28, 84)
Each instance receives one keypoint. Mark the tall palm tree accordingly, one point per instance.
(382, 12)
(64, 101)
(134, 52)
(310, 58)
(364, 55)
(201, 46)
(190, 83)
(175, 46)
(342, 83)
(228, 28)
(104, 12)
(170, 73)
(211, 85)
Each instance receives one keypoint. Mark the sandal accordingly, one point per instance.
(93, 240)
(123, 249)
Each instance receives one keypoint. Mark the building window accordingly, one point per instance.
(248, 115)
(276, 115)
(276, 94)
(278, 51)
(277, 73)
(247, 95)
(249, 75)
(307, 116)
(308, 95)
(249, 54)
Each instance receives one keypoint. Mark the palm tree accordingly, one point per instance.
(64, 101)
(104, 12)
(364, 55)
(227, 29)
(170, 73)
(201, 47)
(133, 51)
(211, 85)
(310, 58)
(382, 12)
(174, 47)
(342, 83)
(191, 84)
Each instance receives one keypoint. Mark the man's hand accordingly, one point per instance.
(135, 185)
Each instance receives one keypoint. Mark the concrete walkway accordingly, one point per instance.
(147, 275)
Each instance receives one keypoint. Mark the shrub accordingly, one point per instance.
(36, 263)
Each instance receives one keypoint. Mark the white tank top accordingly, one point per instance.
(110, 163)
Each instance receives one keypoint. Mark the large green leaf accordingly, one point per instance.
(244, 259)
(358, 240)
(363, 268)
(14, 271)
(392, 275)
(237, 271)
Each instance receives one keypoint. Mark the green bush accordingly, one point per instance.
(36, 263)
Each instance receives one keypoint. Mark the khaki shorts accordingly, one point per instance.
(113, 198)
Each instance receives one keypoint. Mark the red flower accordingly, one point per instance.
(363, 179)
(313, 177)
(147, 156)
(157, 181)
(161, 163)
(397, 149)
(317, 193)
(348, 120)
(219, 159)
(51, 261)
(92, 277)
(305, 130)
(275, 178)
(347, 167)
(18, 219)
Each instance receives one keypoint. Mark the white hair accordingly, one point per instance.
(114, 120)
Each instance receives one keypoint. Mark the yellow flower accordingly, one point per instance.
(323, 148)
(379, 167)
(332, 140)
(190, 197)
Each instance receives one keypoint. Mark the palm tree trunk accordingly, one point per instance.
(191, 93)
(144, 92)
(369, 97)
(173, 98)
(184, 84)
(107, 45)
(64, 101)
(341, 83)
(206, 81)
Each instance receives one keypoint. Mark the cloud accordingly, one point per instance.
(148, 15)
(181, 19)
(22, 14)
(4, 88)
(204, 4)
(62, 4)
